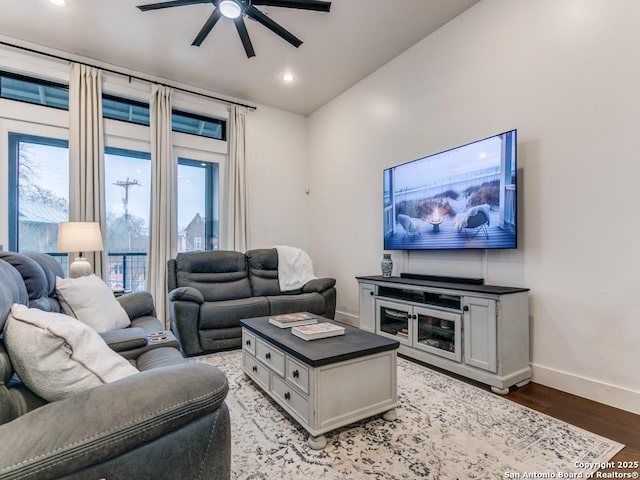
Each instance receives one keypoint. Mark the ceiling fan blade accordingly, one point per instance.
(173, 3)
(260, 17)
(206, 28)
(316, 5)
(244, 36)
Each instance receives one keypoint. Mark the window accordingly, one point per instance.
(125, 110)
(198, 216)
(198, 125)
(138, 112)
(30, 90)
(38, 176)
(127, 199)
(51, 94)
(39, 192)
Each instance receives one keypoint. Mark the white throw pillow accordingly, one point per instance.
(90, 300)
(57, 356)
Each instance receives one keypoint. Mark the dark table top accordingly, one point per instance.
(354, 343)
(491, 289)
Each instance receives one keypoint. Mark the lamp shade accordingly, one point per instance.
(79, 237)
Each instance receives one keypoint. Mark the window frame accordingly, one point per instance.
(38, 82)
(210, 201)
(51, 122)
(175, 112)
(13, 190)
(125, 100)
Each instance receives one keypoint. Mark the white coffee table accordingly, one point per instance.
(324, 384)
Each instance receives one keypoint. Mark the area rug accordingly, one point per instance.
(446, 429)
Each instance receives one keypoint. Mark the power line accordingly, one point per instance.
(126, 184)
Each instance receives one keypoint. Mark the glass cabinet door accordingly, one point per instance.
(394, 320)
(439, 332)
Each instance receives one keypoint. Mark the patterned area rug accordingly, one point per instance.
(446, 429)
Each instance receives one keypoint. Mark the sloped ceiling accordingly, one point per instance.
(340, 48)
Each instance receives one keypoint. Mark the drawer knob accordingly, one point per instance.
(267, 356)
(296, 374)
(255, 369)
(287, 396)
(248, 342)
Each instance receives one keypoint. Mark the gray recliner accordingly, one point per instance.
(168, 421)
(210, 292)
(39, 272)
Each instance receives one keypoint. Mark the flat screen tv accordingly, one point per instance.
(463, 198)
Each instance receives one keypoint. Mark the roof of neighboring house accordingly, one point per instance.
(195, 221)
(37, 212)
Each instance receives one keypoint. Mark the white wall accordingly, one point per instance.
(565, 74)
(277, 173)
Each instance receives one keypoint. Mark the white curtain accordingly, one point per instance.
(163, 218)
(86, 154)
(237, 213)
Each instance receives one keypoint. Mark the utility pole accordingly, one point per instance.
(126, 184)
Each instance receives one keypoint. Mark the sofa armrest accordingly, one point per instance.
(318, 285)
(187, 294)
(138, 304)
(125, 339)
(106, 422)
(185, 321)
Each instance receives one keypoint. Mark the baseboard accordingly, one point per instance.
(597, 391)
(348, 318)
(600, 392)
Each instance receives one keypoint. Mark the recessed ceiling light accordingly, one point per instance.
(288, 77)
(230, 8)
(59, 3)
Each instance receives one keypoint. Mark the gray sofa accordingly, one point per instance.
(39, 273)
(210, 292)
(168, 421)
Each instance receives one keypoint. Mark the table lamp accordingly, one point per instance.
(79, 237)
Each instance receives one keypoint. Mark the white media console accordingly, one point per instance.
(477, 331)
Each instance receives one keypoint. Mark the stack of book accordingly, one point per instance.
(403, 333)
(288, 320)
(318, 330)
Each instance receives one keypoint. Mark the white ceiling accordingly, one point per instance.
(340, 48)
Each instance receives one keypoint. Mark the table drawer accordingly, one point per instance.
(270, 356)
(289, 397)
(249, 342)
(297, 374)
(256, 370)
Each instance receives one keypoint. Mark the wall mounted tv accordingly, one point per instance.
(463, 198)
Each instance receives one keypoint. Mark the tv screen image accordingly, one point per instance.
(457, 199)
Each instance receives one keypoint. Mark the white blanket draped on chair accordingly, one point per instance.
(295, 268)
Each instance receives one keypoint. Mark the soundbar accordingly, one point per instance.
(439, 278)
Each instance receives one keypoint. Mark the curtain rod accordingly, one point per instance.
(129, 76)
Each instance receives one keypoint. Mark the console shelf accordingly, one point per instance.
(474, 330)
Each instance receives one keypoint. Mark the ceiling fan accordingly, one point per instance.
(237, 9)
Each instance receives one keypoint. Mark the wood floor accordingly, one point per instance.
(612, 423)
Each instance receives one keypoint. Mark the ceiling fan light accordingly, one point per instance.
(230, 8)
